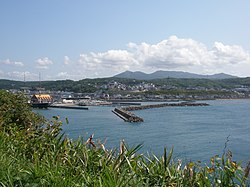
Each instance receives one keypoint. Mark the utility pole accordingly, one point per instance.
(24, 79)
(39, 82)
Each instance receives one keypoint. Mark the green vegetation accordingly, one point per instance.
(83, 86)
(34, 152)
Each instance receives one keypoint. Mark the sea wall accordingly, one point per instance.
(126, 115)
(182, 104)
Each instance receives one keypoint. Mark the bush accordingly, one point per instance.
(15, 113)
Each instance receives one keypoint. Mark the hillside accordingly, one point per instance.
(170, 74)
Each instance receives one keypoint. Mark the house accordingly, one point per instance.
(41, 98)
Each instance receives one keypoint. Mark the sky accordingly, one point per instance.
(63, 39)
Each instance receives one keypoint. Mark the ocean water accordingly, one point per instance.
(195, 133)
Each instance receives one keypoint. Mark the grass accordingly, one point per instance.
(63, 162)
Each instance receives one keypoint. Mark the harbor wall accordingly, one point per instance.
(125, 114)
(182, 104)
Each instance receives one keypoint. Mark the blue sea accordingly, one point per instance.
(195, 133)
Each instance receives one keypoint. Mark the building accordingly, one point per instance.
(41, 98)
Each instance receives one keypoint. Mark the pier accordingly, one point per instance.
(67, 106)
(125, 114)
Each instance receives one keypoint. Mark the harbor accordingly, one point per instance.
(203, 128)
(122, 109)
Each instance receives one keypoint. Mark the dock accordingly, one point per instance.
(66, 106)
(125, 114)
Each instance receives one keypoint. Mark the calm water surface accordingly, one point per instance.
(196, 133)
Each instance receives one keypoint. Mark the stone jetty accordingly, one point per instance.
(182, 104)
(68, 106)
(125, 114)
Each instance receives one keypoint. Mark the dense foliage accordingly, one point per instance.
(34, 152)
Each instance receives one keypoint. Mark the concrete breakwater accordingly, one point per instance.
(68, 106)
(127, 116)
(182, 104)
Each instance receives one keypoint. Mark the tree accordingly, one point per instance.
(15, 112)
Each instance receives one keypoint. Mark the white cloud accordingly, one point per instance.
(107, 62)
(43, 63)
(178, 53)
(171, 54)
(226, 54)
(18, 75)
(62, 74)
(9, 62)
(66, 60)
(65, 75)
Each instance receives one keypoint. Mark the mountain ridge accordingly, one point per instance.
(160, 74)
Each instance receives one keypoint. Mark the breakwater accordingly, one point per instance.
(182, 104)
(66, 106)
(126, 103)
(125, 114)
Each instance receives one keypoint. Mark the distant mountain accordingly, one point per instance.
(170, 74)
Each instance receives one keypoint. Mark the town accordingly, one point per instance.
(104, 91)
